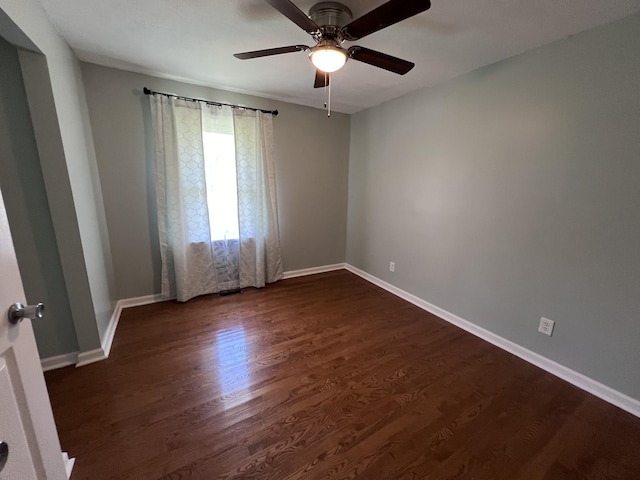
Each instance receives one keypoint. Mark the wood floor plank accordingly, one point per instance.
(326, 377)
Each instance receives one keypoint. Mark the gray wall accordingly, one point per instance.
(513, 193)
(59, 116)
(311, 168)
(28, 211)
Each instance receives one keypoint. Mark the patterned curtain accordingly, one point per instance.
(260, 259)
(192, 262)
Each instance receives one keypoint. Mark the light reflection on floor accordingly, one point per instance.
(233, 366)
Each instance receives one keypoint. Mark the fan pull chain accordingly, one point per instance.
(329, 96)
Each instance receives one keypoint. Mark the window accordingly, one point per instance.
(222, 191)
(215, 178)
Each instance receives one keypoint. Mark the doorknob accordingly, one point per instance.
(18, 311)
(4, 454)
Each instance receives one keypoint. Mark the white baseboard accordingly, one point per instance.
(59, 361)
(68, 463)
(313, 270)
(110, 333)
(588, 384)
(90, 356)
(139, 301)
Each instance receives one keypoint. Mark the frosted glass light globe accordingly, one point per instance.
(328, 59)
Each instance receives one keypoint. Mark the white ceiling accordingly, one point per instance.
(194, 40)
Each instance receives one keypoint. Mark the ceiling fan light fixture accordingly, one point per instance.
(328, 59)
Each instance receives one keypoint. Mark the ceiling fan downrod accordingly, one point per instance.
(330, 17)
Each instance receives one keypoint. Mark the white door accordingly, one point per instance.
(27, 429)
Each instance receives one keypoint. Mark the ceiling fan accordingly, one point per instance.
(330, 24)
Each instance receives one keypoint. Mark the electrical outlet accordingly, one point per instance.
(546, 326)
(392, 266)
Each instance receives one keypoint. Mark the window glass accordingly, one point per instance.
(222, 194)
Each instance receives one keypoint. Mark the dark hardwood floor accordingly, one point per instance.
(326, 376)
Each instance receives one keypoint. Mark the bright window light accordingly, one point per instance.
(233, 366)
(222, 190)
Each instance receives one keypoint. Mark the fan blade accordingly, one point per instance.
(322, 79)
(294, 14)
(270, 51)
(380, 60)
(385, 15)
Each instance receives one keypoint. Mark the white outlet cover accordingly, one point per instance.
(546, 326)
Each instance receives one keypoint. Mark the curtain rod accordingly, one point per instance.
(208, 102)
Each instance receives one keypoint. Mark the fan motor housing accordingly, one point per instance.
(330, 14)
